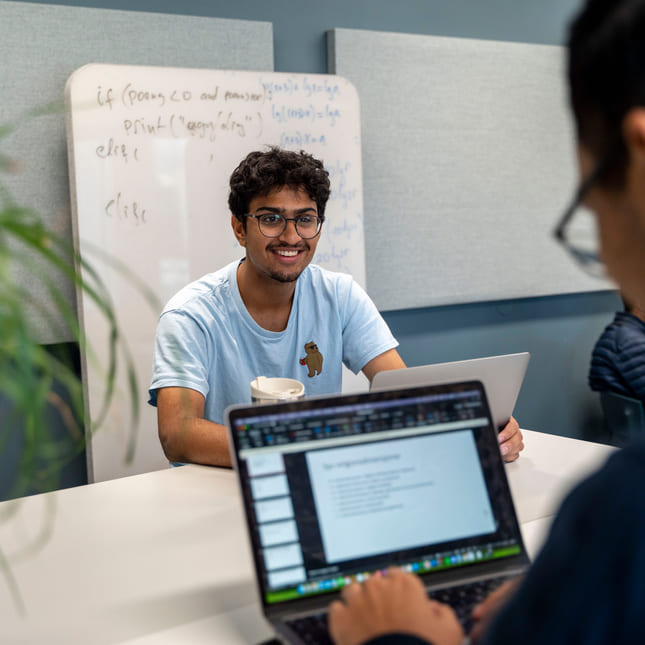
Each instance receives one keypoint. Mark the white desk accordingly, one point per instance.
(162, 558)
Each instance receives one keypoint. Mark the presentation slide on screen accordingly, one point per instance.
(286, 577)
(278, 533)
(281, 557)
(265, 464)
(274, 509)
(399, 494)
(271, 486)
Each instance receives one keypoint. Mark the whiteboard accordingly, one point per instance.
(151, 150)
(468, 161)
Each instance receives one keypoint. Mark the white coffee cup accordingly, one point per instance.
(273, 390)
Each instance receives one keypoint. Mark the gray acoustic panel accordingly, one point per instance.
(41, 46)
(468, 160)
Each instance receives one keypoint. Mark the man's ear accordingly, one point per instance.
(634, 134)
(238, 229)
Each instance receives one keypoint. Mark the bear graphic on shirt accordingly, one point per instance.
(313, 360)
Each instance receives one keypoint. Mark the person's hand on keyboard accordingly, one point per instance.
(484, 613)
(393, 603)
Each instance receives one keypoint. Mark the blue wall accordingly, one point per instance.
(558, 331)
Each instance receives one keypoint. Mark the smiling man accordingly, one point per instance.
(272, 314)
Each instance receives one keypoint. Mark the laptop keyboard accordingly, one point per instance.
(463, 598)
(312, 630)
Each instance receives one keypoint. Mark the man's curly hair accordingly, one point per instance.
(264, 171)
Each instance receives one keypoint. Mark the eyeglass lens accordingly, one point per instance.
(273, 225)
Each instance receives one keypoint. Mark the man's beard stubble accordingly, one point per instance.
(284, 277)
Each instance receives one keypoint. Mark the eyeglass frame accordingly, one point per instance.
(286, 221)
(586, 259)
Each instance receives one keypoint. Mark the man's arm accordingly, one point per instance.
(184, 434)
(389, 360)
(484, 613)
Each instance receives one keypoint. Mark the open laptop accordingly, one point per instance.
(337, 488)
(502, 377)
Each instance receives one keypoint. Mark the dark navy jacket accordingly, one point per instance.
(618, 360)
(587, 586)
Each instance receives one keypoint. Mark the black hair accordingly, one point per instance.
(606, 71)
(264, 171)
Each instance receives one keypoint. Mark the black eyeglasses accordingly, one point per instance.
(274, 224)
(582, 242)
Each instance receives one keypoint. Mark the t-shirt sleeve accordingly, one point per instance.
(365, 333)
(181, 355)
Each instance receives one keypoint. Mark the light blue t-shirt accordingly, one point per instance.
(207, 341)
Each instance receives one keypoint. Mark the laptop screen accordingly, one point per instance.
(338, 488)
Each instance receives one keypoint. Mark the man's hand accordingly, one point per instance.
(511, 440)
(484, 613)
(395, 602)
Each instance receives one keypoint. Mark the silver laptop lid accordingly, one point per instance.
(501, 375)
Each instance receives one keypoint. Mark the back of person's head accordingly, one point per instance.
(607, 76)
(261, 172)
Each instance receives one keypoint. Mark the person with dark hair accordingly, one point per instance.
(270, 314)
(588, 583)
(618, 358)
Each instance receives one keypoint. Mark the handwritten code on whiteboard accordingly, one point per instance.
(156, 146)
